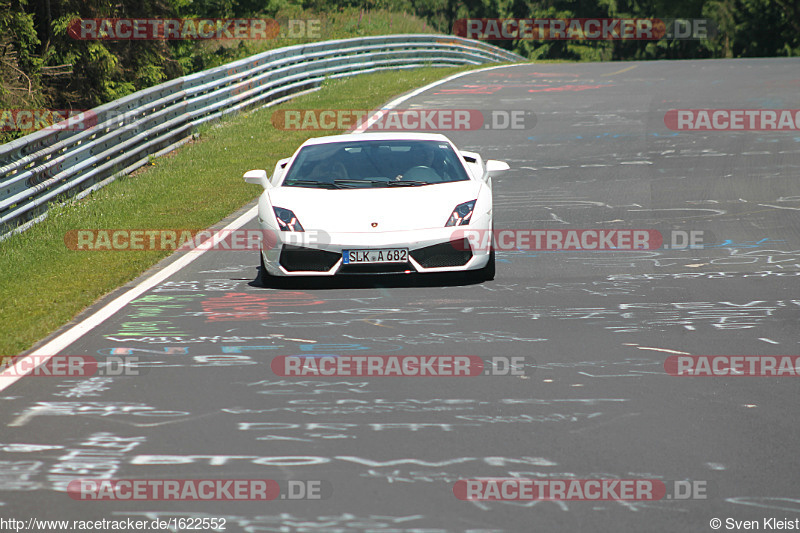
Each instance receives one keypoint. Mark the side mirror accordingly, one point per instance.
(258, 177)
(494, 167)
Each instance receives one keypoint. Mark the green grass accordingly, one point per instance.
(43, 284)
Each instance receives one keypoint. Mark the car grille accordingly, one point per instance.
(446, 254)
(377, 268)
(297, 258)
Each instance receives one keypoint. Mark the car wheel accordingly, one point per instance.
(487, 272)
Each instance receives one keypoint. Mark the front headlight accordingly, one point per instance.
(287, 221)
(461, 214)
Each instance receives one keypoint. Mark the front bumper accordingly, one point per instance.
(431, 250)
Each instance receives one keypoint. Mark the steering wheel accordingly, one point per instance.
(420, 172)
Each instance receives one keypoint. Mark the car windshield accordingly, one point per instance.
(362, 164)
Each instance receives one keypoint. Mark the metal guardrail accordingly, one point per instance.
(57, 163)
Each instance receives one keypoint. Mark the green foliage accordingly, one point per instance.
(41, 65)
(20, 66)
(747, 28)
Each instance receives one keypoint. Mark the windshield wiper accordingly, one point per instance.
(354, 182)
(313, 183)
(357, 183)
(365, 182)
(405, 183)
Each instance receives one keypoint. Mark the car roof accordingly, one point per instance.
(393, 136)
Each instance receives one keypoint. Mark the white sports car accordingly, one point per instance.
(376, 203)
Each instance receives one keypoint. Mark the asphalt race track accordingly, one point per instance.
(590, 397)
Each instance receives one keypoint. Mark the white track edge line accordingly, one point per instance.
(25, 365)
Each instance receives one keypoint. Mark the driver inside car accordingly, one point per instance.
(328, 172)
(422, 161)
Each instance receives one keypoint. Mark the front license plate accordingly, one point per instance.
(384, 255)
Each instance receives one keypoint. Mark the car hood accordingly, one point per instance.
(392, 208)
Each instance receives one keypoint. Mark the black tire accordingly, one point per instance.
(487, 272)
